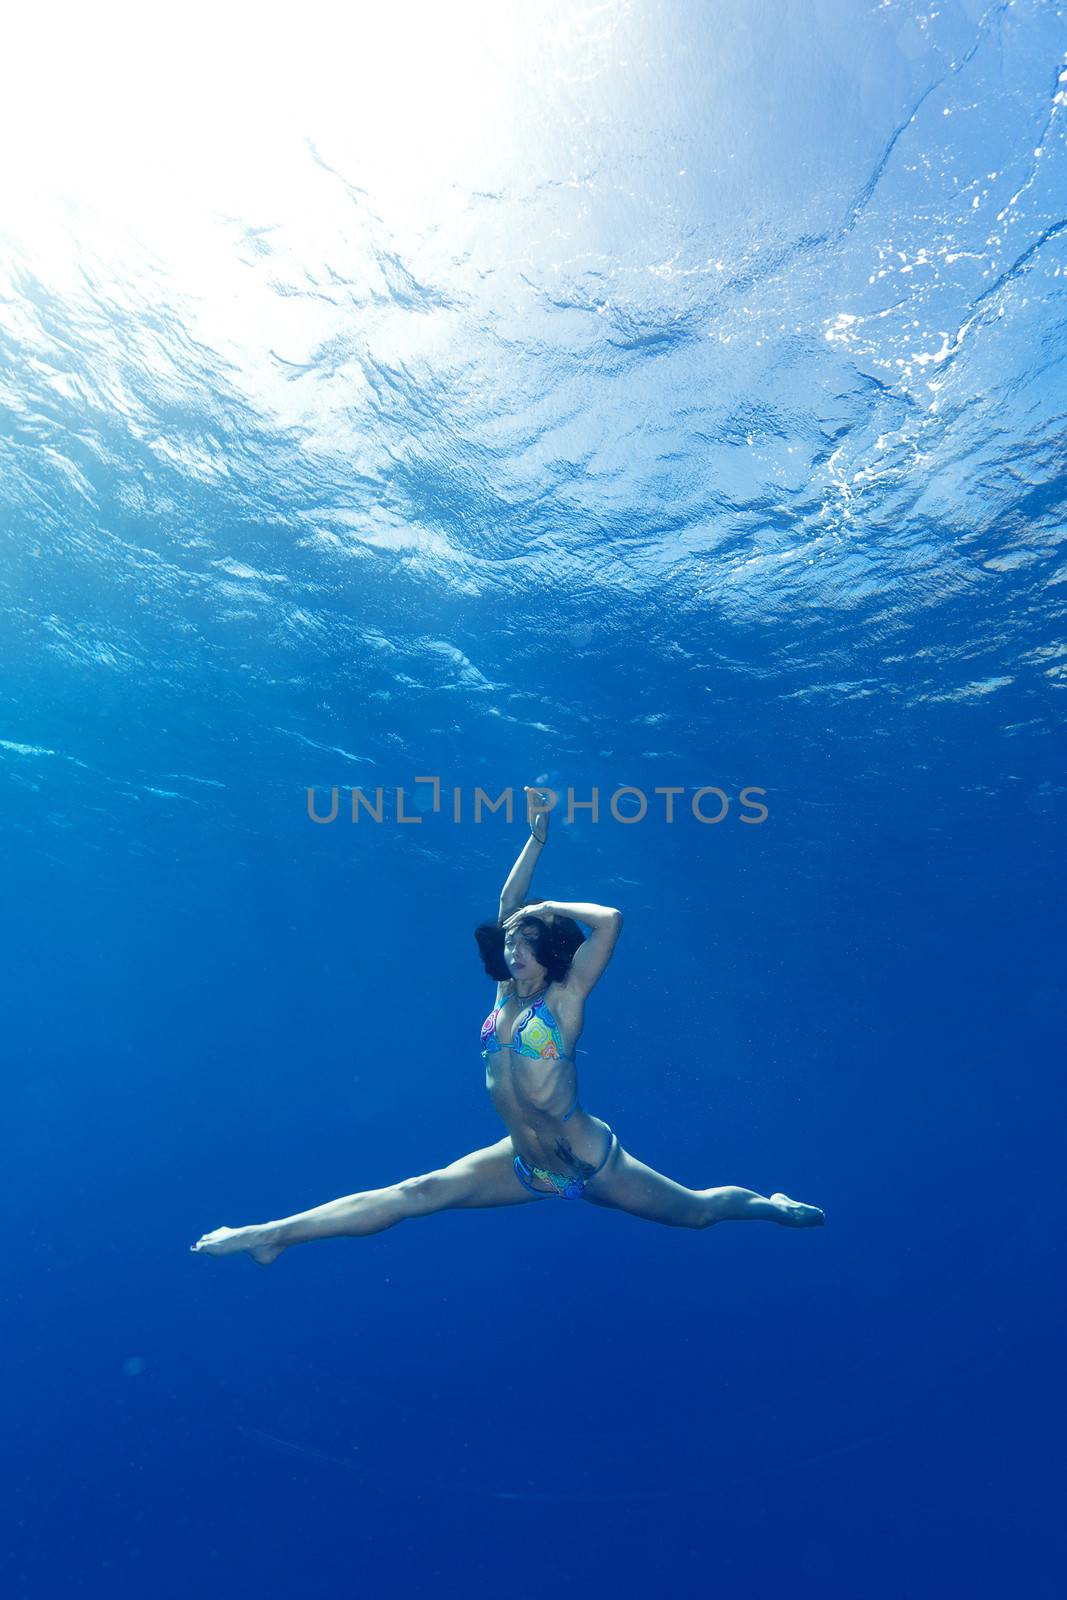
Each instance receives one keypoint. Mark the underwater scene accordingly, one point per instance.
(531, 734)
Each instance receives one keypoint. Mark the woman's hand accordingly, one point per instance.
(538, 820)
(544, 909)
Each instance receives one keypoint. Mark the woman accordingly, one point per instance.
(546, 969)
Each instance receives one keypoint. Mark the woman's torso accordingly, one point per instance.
(528, 1044)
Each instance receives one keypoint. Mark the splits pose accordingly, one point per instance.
(545, 968)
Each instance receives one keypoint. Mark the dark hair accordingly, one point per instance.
(553, 944)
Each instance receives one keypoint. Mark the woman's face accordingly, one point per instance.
(519, 953)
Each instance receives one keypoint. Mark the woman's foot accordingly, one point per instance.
(794, 1214)
(228, 1241)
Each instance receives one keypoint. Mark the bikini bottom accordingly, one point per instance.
(566, 1187)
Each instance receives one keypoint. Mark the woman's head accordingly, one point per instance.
(531, 950)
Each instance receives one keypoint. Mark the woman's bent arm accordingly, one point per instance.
(595, 917)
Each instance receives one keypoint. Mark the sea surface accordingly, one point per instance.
(631, 397)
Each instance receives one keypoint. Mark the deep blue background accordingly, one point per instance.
(672, 527)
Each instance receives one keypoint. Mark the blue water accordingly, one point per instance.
(677, 401)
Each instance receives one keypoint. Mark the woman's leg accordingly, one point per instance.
(626, 1184)
(483, 1178)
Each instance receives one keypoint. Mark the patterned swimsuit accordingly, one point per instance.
(537, 1035)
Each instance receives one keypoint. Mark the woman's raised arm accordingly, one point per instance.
(517, 887)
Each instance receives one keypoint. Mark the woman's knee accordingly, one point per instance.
(429, 1192)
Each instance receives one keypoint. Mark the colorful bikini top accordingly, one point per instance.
(537, 1033)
